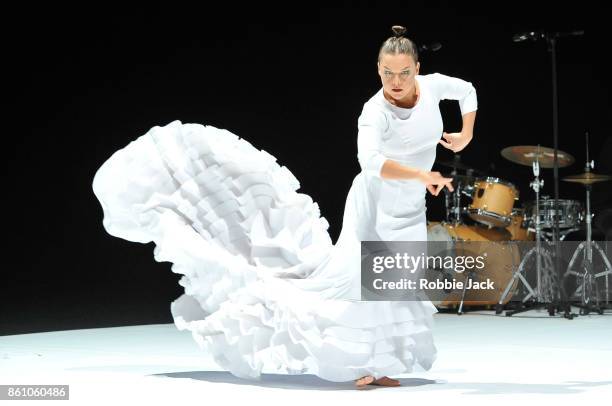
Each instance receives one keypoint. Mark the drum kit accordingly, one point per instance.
(540, 225)
(484, 208)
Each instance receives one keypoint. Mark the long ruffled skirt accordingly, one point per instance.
(265, 288)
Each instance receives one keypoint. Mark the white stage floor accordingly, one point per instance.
(482, 358)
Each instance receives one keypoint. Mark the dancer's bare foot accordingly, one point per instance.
(362, 382)
(386, 381)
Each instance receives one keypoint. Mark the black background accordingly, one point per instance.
(85, 82)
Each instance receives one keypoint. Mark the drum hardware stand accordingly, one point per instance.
(562, 234)
(539, 252)
(457, 220)
(457, 203)
(455, 210)
(446, 204)
(586, 247)
(469, 277)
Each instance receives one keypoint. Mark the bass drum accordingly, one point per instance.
(501, 261)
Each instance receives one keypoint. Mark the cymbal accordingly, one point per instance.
(587, 178)
(527, 154)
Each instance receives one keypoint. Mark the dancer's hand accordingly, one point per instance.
(455, 141)
(435, 182)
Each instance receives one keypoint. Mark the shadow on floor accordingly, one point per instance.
(312, 382)
(305, 381)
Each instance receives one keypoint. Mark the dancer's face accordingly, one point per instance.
(397, 73)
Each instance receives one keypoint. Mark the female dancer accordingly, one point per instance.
(265, 288)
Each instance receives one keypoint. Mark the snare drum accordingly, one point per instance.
(570, 214)
(492, 202)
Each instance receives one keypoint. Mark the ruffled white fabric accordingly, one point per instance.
(265, 288)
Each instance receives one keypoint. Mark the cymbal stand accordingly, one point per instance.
(540, 255)
(589, 279)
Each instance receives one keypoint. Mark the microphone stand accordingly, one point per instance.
(561, 302)
(551, 40)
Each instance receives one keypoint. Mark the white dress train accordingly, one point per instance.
(265, 288)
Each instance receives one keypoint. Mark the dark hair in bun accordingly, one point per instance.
(398, 30)
(398, 44)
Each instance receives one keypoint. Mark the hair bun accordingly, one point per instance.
(398, 30)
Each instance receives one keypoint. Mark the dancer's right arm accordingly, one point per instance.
(372, 124)
(434, 181)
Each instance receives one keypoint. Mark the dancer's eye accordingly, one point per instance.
(403, 75)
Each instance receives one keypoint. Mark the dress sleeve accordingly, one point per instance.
(371, 124)
(450, 88)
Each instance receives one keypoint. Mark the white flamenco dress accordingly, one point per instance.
(265, 288)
